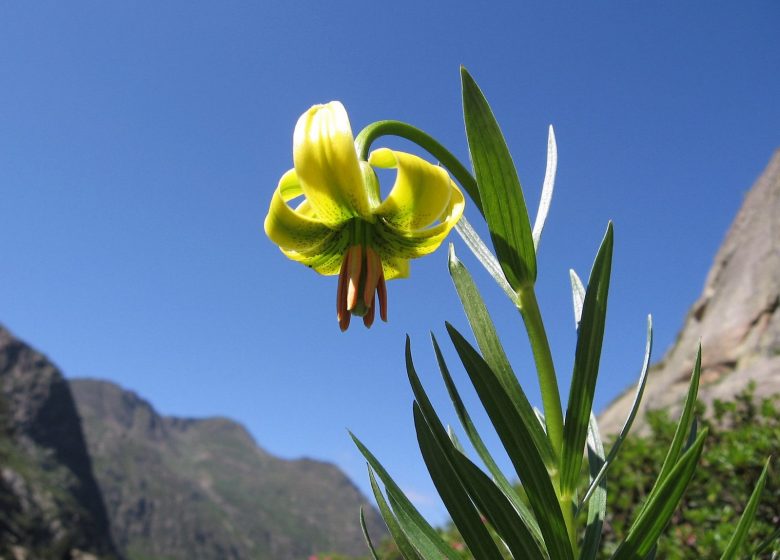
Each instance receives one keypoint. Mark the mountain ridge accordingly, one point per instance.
(168, 461)
(91, 471)
(51, 505)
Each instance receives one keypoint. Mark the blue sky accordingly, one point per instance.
(140, 144)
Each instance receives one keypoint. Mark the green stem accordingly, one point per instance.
(551, 398)
(403, 130)
(545, 370)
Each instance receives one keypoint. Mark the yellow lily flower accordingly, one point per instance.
(342, 227)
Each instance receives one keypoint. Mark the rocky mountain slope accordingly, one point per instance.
(89, 471)
(737, 317)
(50, 504)
(182, 489)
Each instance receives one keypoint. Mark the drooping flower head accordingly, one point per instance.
(340, 226)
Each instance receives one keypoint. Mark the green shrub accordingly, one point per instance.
(741, 433)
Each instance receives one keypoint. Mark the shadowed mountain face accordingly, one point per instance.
(183, 489)
(50, 504)
(737, 317)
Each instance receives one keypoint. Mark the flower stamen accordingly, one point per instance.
(373, 269)
(342, 314)
(381, 292)
(355, 267)
(361, 280)
(368, 318)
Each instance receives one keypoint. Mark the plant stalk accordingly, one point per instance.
(548, 383)
(551, 397)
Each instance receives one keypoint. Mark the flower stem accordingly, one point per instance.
(545, 370)
(403, 130)
(551, 398)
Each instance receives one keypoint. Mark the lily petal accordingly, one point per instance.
(293, 230)
(394, 242)
(327, 258)
(327, 164)
(421, 193)
(393, 268)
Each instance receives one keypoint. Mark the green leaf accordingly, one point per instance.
(640, 389)
(518, 443)
(577, 296)
(493, 352)
(439, 455)
(660, 506)
(476, 440)
(499, 511)
(484, 256)
(597, 507)
(547, 187)
(366, 536)
(430, 546)
(685, 424)
(590, 335)
(423, 537)
(452, 493)
(454, 439)
(499, 188)
(478, 487)
(746, 519)
(404, 546)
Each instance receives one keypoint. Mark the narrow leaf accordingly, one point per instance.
(493, 352)
(439, 455)
(455, 441)
(429, 547)
(577, 296)
(499, 512)
(403, 544)
(476, 440)
(685, 433)
(640, 389)
(509, 523)
(452, 493)
(547, 187)
(484, 256)
(366, 536)
(499, 188)
(516, 438)
(684, 425)
(590, 335)
(746, 519)
(660, 506)
(597, 507)
(419, 532)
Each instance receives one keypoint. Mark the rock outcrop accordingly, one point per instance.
(181, 488)
(737, 317)
(50, 504)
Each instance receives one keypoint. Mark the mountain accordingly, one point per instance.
(181, 488)
(737, 317)
(50, 504)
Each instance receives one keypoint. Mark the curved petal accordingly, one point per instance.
(293, 230)
(395, 268)
(327, 164)
(393, 242)
(327, 257)
(421, 193)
